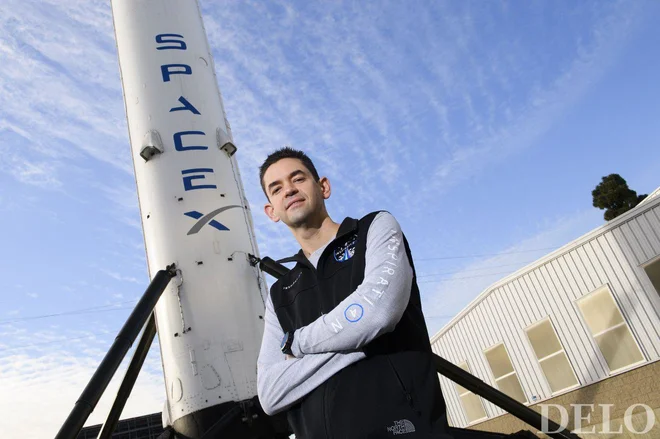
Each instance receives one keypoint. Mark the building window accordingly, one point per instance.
(472, 404)
(609, 329)
(653, 272)
(504, 373)
(551, 356)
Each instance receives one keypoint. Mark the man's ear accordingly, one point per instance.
(326, 189)
(270, 212)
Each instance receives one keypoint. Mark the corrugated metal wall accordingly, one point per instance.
(609, 255)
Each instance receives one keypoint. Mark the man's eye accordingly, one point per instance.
(298, 180)
(275, 191)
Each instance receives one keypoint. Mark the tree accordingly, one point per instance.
(614, 195)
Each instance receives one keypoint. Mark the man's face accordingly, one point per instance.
(293, 194)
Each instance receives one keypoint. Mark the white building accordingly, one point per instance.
(585, 313)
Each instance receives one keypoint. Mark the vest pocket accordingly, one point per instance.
(404, 389)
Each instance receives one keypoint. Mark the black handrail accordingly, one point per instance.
(505, 402)
(92, 393)
(272, 267)
(127, 383)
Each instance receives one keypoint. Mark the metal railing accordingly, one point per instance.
(505, 402)
(127, 334)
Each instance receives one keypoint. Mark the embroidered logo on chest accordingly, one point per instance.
(346, 251)
(288, 287)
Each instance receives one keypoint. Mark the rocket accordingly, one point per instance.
(194, 213)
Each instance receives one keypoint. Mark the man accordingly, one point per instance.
(345, 348)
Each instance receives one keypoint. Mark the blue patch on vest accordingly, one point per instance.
(346, 251)
(354, 312)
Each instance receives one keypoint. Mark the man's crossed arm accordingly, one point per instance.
(375, 307)
(281, 382)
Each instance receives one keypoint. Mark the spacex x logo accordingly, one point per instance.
(202, 219)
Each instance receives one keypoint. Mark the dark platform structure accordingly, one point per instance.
(141, 427)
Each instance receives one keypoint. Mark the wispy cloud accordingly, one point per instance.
(497, 131)
(444, 299)
(125, 207)
(62, 80)
(462, 96)
(324, 92)
(121, 278)
(35, 381)
(40, 367)
(38, 173)
(62, 122)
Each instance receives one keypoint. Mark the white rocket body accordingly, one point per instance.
(194, 212)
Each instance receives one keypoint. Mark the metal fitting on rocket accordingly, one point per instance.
(194, 212)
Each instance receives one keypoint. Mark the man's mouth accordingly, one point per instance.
(294, 203)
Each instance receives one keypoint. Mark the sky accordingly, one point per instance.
(482, 127)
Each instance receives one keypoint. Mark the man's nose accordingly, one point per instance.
(290, 190)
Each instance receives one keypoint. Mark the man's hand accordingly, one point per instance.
(282, 383)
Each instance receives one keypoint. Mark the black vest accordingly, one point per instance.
(395, 390)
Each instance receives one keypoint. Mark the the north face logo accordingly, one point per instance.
(401, 427)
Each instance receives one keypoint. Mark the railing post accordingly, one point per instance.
(140, 354)
(127, 334)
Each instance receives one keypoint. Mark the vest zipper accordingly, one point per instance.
(407, 394)
(325, 412)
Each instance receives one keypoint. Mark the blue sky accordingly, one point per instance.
(482, 126)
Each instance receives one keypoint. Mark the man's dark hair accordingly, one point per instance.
(286, 153)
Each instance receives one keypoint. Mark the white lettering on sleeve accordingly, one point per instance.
(378, 293)
(336, 325)
(388, 270)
